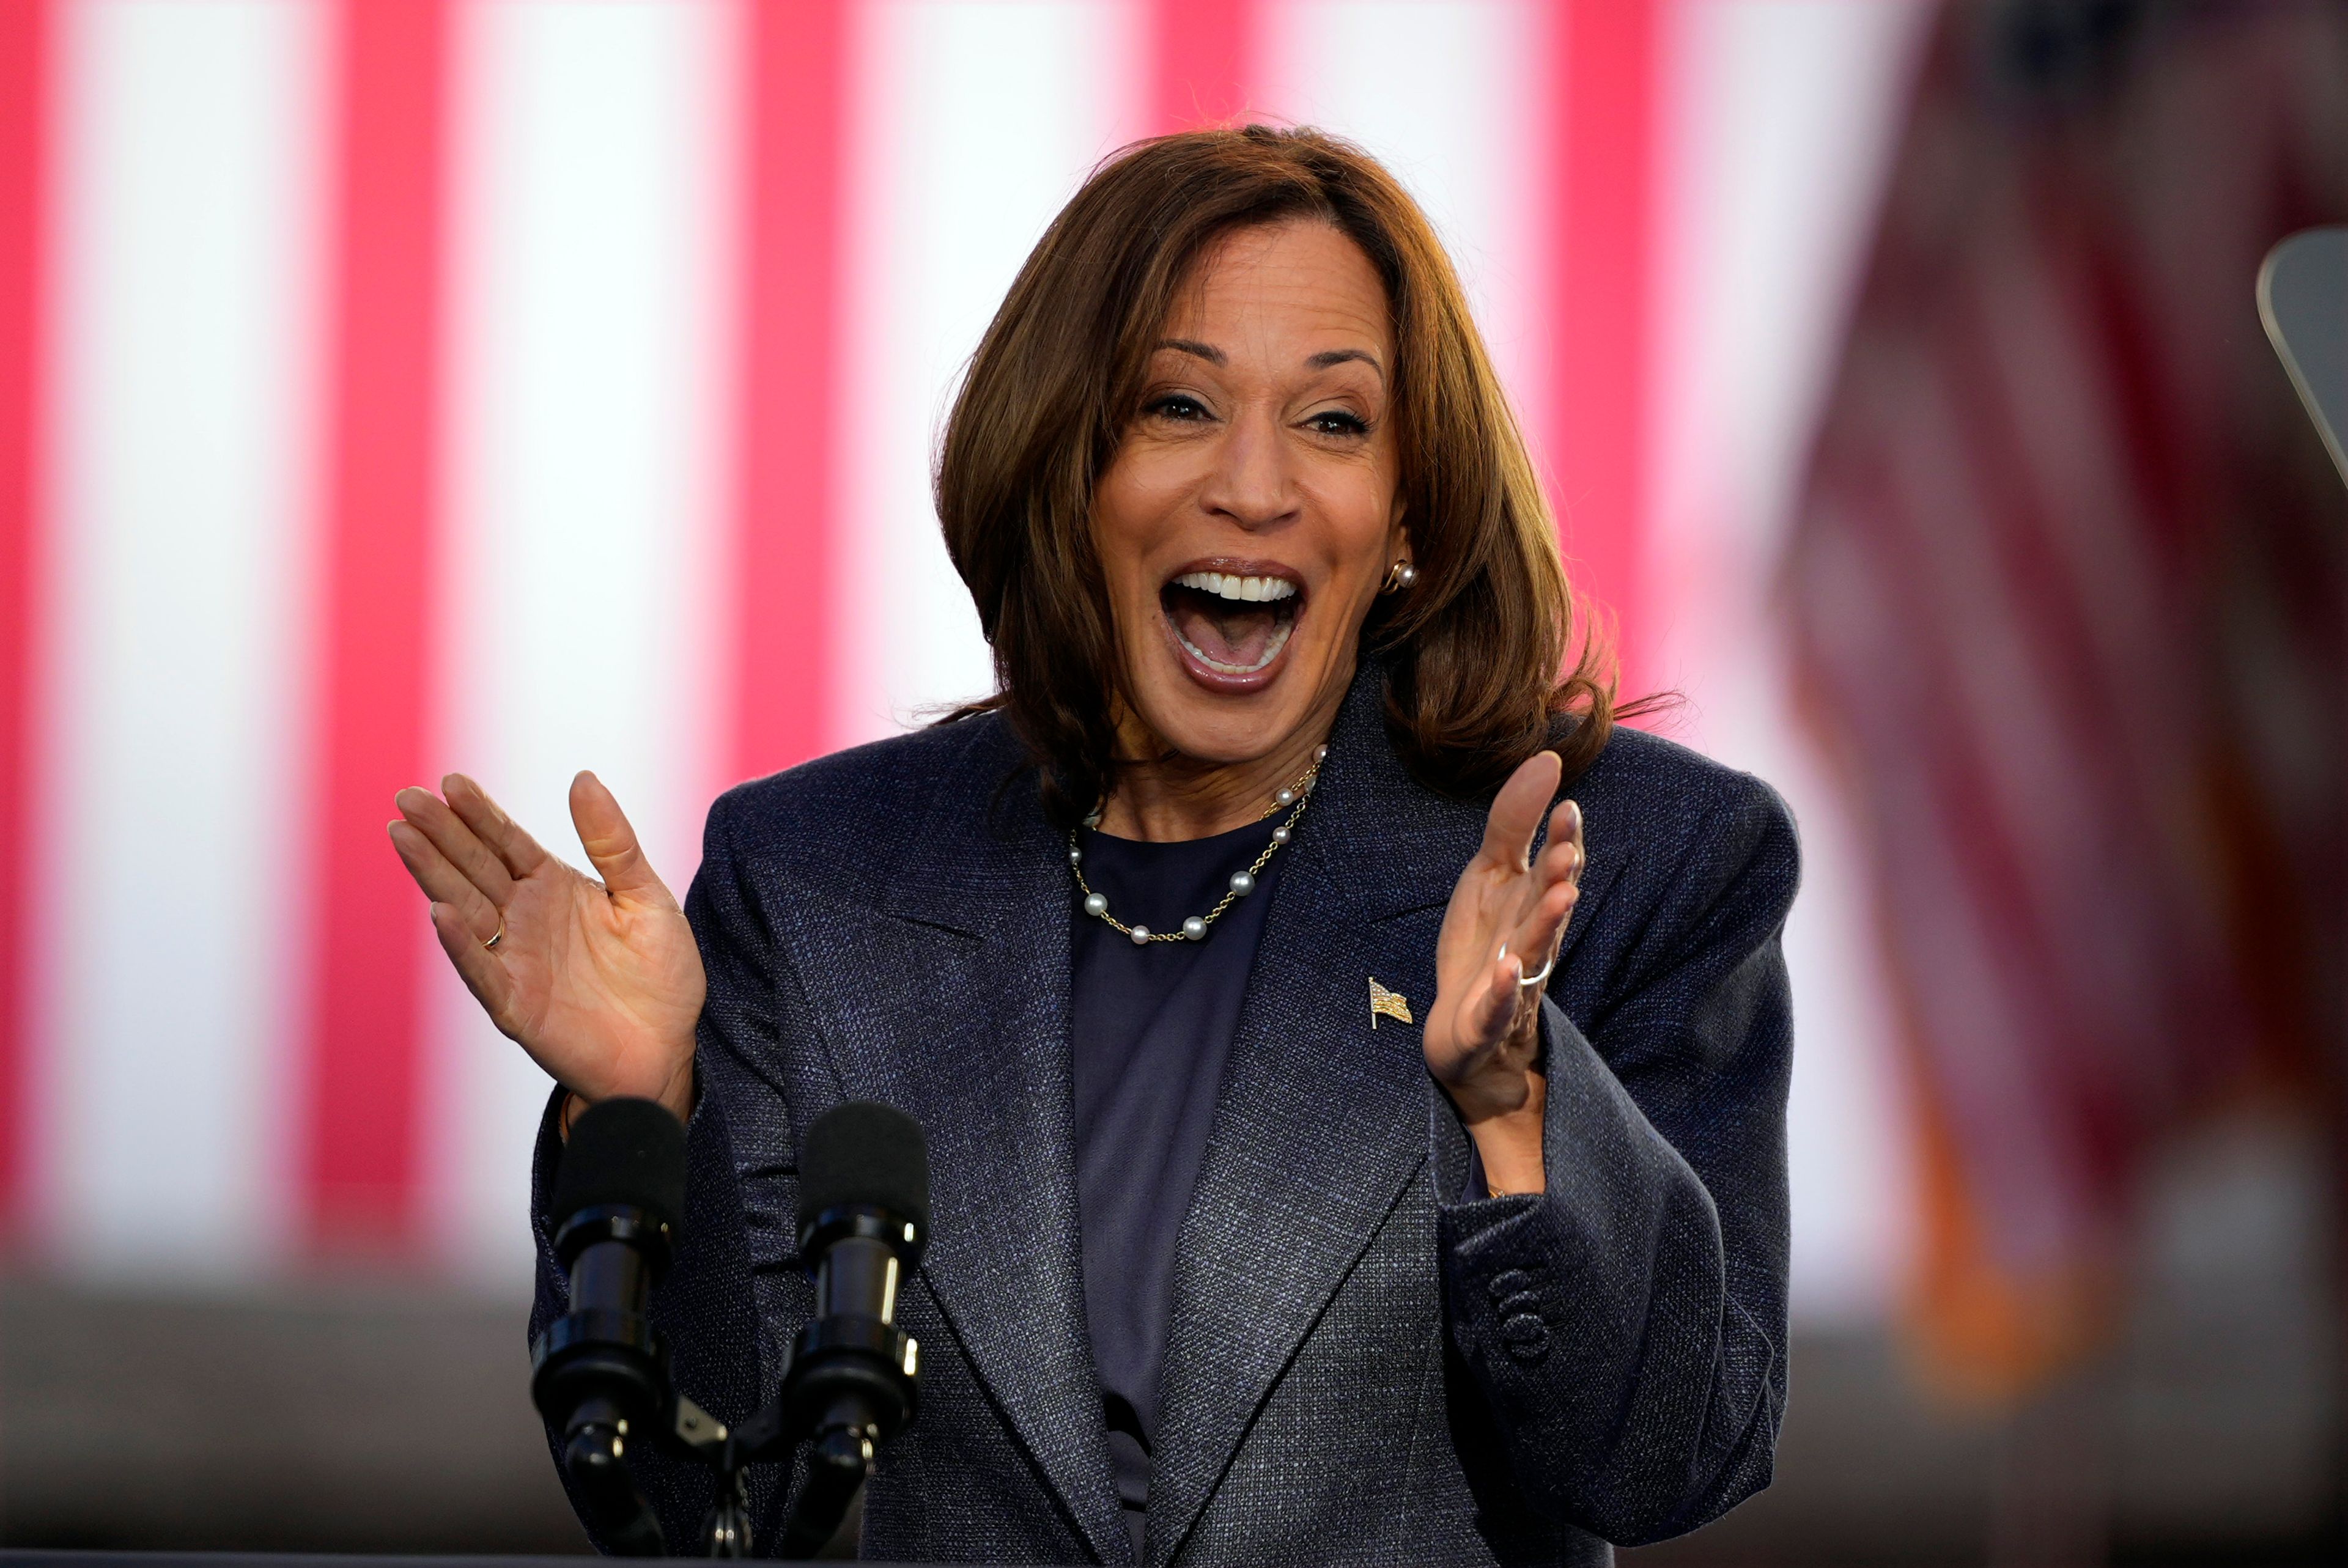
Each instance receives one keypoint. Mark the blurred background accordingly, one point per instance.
(390, 386)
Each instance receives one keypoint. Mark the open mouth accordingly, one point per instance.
(1234, 624)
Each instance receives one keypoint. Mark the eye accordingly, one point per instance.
(1179, 405)
(1337, 422)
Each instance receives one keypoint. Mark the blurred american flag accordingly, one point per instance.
(390, 386)
(2068, 588)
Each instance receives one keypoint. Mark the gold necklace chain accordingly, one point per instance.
(1294, 799)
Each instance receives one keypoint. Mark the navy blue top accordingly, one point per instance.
(1152, 1028)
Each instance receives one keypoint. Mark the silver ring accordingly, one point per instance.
(1525, 980)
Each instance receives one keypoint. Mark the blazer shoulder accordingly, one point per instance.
(843, 800)
(1682, 806)
(1648, 769)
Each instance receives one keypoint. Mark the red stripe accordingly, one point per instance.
(795, 104)
(381, 466)
(25, 28)
(1606, 75)
(1201, 60)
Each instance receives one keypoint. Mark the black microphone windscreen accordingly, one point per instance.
(860, 1152)
(623, 1151)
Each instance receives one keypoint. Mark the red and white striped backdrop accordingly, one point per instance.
(390, 386)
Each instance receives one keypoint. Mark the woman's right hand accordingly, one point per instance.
(599, 981)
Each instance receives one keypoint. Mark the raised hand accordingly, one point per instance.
(1500, 932)
(600, 982)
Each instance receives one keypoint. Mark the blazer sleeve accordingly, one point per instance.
(1627, 1325)
(735, 1247)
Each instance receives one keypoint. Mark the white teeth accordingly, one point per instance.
(1271, 651)
(1261, 589)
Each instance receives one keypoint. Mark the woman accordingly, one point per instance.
(1305, 1187)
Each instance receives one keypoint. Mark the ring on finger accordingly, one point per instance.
(500, 936)
(1525, 980)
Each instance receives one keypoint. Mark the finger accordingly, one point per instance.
(1517, 810)
(504, 836)
(476, 965)
(443, 883)
(1534, 943)
(1558, 862)
(1562, 859)
(610, 844)
(457, 844)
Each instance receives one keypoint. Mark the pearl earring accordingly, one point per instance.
(1400, 575)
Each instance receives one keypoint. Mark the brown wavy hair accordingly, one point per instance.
(1475, 655)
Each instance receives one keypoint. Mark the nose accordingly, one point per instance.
(1251, 483)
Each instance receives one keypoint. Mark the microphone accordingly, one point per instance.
(597, 1372)
(864, 1217)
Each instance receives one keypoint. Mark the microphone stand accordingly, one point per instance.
(841, 1367)
(611, 1372)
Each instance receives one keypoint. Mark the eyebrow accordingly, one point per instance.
(1191, 346)
(1328, 358)
(1321, 360)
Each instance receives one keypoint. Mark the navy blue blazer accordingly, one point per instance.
(1361, 1367)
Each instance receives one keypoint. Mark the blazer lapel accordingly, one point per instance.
(955, 1011)
(1322, 1121)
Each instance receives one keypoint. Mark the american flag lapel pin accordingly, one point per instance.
(1384, 1003)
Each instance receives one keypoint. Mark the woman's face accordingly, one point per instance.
(1252, 509)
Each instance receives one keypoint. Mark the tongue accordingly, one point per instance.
(1226, 633)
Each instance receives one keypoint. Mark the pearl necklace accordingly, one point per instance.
(1242, 883)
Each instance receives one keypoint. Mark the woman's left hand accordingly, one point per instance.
(1506, 919)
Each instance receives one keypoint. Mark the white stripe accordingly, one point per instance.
(585, 503)
(1784, 116)
(171, 944)
(1449, 96)
(972, 122)
(1779, 117)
